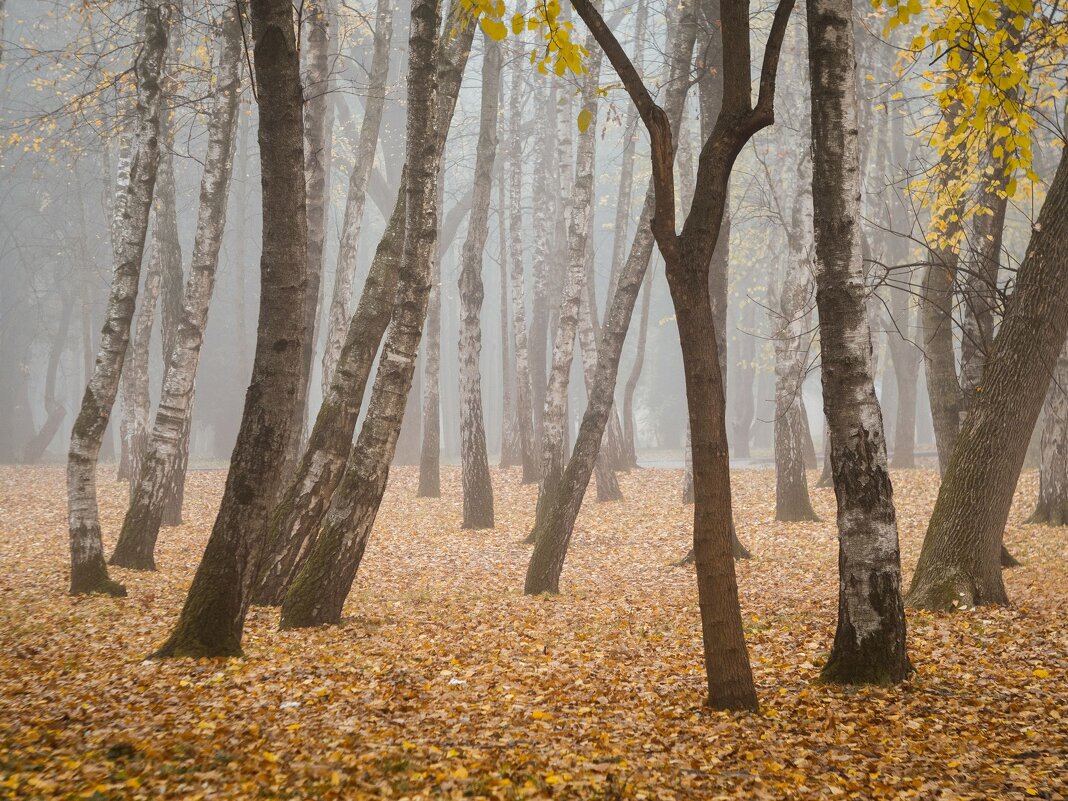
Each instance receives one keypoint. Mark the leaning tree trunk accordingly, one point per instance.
(357, 193)
(959, 565)
(319, 590)
(523, 394)
(792, 502)
(1052, 505)
(869, 644)
(477, 486)
(163, 454)
(294, 523)
(89, 573)
(578, 231)
(318, 122)
(213, 617)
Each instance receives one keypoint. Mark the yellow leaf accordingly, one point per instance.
(493, 28)
(517, 24)
(585, 117)
(1041, 673)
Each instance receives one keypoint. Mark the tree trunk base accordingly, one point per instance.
(180, 646)
(93, 580)
(856, 668)
(952, 593)
(1050, 514)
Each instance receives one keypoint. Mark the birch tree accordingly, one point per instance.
(136, 545)
(88, 571)
(363, 162)
(869, 643)
(318, 592)
(212, 619)
(477, 485)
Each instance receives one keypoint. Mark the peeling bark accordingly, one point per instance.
(477, 486)
(88, 571)
(168, 441)
(319, 590)
(364, 158)
(869, 643)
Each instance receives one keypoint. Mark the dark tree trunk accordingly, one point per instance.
(164, 450)
(294, 523)
(213, 617)
(88, 571)
(869, 644)
(688, 257)
(477, 486)
(959, 564)
(319, 590)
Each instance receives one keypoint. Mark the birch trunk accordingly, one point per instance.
(792, 502)
(525, 410)
(511, 450)
(869, 644)
(543, 211)
(88, 571)
(477, 486)
(171, 280)
(318, 122)
(578, 230)
(319, 590)
(959, 566)
(1052, 505)
(295, 522)
(212, 619)
(136, 398)
(364, 159)
(163, 454)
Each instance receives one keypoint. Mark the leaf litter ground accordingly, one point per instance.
(446, 682)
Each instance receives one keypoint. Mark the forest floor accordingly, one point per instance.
(445, 681)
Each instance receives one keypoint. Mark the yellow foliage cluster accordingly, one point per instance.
(992, 69)
(558, 51)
